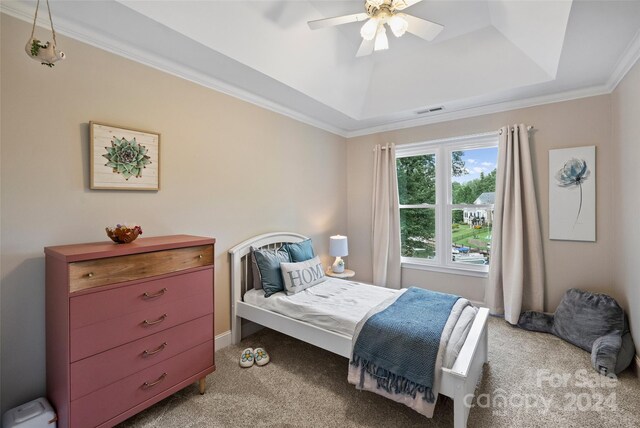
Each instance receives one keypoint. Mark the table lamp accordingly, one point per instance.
(338, 247)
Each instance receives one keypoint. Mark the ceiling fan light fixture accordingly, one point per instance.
(382, 42)
(369, 29)
(398, 25)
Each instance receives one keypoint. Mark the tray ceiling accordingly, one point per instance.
(489, 53)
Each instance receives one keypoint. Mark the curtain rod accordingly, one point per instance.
(529, 128)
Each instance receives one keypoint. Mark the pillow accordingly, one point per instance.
(300, 251)
(298, 276)
(268, 262)
(255, 272)
(592, 321)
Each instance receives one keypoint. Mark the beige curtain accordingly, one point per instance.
(516, 275)
(386, 218)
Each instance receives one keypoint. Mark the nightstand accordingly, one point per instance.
(344, 275)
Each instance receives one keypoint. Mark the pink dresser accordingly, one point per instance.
(127, 325)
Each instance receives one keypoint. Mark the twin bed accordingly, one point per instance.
(327, 314)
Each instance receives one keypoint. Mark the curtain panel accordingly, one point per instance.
(516, 275)
(385, 210)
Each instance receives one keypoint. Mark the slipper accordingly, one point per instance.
(246, 359)
(261, 356)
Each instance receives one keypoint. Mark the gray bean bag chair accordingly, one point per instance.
(594, 322)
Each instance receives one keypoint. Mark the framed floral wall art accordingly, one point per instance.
(124, 159)
(572, 194)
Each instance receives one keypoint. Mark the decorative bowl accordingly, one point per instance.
(123, 234)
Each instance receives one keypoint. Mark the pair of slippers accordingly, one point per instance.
(258, 356)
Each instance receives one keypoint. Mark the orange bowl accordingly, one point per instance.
(123, 234)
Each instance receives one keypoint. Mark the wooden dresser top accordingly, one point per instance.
(99, 250)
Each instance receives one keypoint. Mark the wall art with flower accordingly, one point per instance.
(572, 194)
(124, 159)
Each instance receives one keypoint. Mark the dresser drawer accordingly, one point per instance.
(104, 335)
(108, 304)
(105, 403)
(93, 373)
(112, 270)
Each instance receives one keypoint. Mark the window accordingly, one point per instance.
(447, 191)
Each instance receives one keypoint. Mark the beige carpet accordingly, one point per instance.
(306, 386)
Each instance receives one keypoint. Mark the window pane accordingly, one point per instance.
(418, 231)
(417, 179)
(471, 235)
(473, 179)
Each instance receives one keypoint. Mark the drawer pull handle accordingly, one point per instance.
(155, 351)
(90, 275)
(200, 256)
(159, 320)
(146, 294)
(147, 385)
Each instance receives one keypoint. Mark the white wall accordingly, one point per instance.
(626, 132)
(229, 170)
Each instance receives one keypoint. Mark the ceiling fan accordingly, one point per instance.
(378, 13)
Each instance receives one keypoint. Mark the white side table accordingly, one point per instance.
(344, 275)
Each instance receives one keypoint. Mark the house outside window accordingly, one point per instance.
(446, 191)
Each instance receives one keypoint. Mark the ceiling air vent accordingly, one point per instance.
(430, 110)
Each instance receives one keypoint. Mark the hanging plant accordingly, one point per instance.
(45, 53)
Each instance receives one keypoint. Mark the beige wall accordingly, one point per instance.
(230, 170)
(568, 264)
(626, 131)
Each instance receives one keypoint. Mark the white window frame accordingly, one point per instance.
(442, 149)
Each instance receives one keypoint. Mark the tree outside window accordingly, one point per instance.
(458, 191)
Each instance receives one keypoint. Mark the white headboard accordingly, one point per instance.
(241, 276)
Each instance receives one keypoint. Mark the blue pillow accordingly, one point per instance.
(268, 262)
(300, 251)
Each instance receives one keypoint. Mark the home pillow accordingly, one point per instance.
(301, 275)
(255, 272)
(268, 262)
(300, 251)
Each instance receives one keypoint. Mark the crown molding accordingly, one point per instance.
(76, 31)
(628, 59)
(483, 110)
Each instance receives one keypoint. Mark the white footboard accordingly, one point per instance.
(459, 382)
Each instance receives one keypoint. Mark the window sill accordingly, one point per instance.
(446, 269)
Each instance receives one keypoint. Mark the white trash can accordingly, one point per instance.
(34, 414)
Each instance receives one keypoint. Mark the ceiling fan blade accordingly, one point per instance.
(366, 47)
(422, 28)
(338, 20)
(403, 4)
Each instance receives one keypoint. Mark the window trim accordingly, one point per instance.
(442, 149)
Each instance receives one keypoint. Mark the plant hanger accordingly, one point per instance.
(46, 53)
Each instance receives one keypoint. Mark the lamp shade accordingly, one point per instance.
(338, 246)
(370, 29)
(382, 42)
(398, 25)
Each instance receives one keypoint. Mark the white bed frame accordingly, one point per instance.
(457, 382)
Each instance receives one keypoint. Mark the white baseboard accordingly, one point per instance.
(223, 340)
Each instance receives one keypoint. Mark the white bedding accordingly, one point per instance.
(338, 305)
(335, 304)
